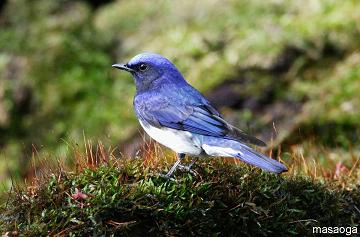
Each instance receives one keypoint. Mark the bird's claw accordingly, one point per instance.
(166, 176)
(187, 168)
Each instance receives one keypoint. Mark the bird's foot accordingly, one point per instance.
(167, 176)
(187, 168)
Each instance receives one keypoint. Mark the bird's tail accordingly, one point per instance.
(223, 147)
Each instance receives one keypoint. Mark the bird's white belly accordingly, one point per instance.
(179, 141)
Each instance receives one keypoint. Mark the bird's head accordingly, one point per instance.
(150, 70)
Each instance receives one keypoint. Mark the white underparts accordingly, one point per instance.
(179, 141)
(213, 150)
(186, 142)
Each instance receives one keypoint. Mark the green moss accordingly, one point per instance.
(222, 199)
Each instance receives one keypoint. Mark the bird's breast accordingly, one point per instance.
(177, 140)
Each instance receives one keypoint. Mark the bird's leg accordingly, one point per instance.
(188, 167)
(180, 156)
(191, 164)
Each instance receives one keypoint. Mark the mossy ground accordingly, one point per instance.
(128, 197)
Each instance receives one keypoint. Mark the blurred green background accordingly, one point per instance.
(288, 71)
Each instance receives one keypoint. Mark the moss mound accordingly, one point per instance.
(222, 199)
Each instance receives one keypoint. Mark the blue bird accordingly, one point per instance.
(176, 115)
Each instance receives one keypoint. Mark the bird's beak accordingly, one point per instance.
(123, 67)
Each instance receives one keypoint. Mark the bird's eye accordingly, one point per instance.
(143, 67)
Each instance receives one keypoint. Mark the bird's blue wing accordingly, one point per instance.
(199, 117)
(194, 119)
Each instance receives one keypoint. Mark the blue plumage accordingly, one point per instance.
(178, 116)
